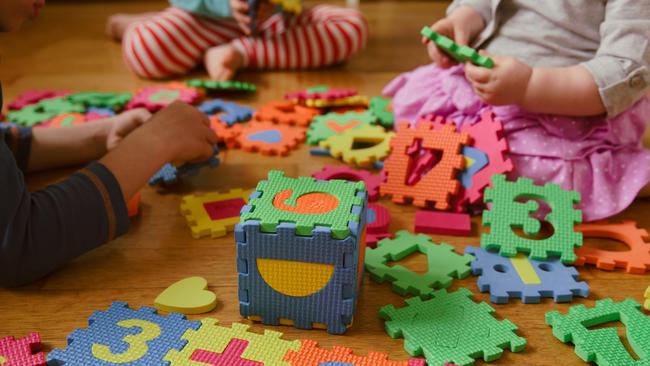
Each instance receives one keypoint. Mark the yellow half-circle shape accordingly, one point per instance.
(293, 278)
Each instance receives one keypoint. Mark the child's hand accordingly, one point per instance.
(241, 13)
(124, 124)
(505, 83)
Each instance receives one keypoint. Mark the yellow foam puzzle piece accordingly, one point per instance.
(293, 278)
(647, 299)
(525, 269)
(341, 146)
(187, 296)
(290, 6)
(355, 100)
(201, 225)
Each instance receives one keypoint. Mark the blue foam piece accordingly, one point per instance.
(169, 174)
(379, 165)
(480, 161)
(499, 277)
(268, 136)
(319, 151)
(334, 305)
(231, 112)
(103, 111)
(103, 330)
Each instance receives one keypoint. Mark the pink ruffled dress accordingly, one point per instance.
(602, 158)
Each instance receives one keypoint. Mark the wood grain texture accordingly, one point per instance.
(66, 48)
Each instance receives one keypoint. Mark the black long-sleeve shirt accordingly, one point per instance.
(41, 231)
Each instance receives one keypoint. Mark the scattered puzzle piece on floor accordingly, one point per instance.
(213, 214)
(121, 335)
(647, 299)
(443, 264)
(334, 124)
(353, 101)
(269, 138)
(507, 213)
(439, 184)
(213, 85)
(188, 296)
(44, 110)
(169, 174)
(310, 354)
(287, 113)
(155, 98)
(381, 108)
(443, 223)
(372, 181)
(635, 261)
(450, 327)
(459, 53)
(343, 146)
(21, 352)
(34, 96)
(319, 92)
(267, 349)
(94, 113)
(114, 101)
(227, 112)
(528, 280)
(65, 120)
(603, 346)
(377, 224)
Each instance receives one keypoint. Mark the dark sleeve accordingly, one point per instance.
(19, 141)
(41, 231)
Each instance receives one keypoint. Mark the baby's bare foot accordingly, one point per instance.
(222, 62)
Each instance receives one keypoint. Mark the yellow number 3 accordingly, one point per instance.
(137, 343)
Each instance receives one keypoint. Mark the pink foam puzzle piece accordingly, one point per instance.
(372, 181)
(231, 356)
(22, 352)
(377, 225)
(443, 223)
(34, 96)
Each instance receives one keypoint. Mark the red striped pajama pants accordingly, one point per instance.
(174, 41)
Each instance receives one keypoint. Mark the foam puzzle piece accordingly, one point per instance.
(21, 352)
(228, 112)
(34, 96)
(528, 280)
(310, 354)
(65, 120)
(479, 160)
(353, 101)
(506, 213)
(42, 111)
(443, 223)
(213, 85)
(133, 206)
(646, 305)
(334, 124)
(287, 113)
(188, 296)
(342, 146)
(377, 226)
(488, 137)
(439, 184)
(169, 174)
(114, 101)
(372, 181)
(443, 264)
(307, 203)
(213, 214)
(155, 98)
(634, 261)
(121, 335)
(603, 346)
(320, 92)
(267, 349)
(95, 113)
(231, 356)
(290, 6)
(450, 327)
(382, 109)
(269, 138)
(459, 53)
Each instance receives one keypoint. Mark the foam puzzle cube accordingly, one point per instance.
(300, 252)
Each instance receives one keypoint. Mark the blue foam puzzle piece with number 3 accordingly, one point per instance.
(124, 336)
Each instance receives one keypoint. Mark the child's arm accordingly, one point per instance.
(42, 231)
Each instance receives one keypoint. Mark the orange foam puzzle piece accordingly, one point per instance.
(133, 205)
(268, 138)
(286, 112)
(310, 354)
(635, 261)
(440, 183)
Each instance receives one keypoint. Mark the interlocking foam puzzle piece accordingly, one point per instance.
(320, 92)
(355, 100)
(228, 112)
(443, 223)
(114, 101)
(286, 112)
(603, 346)
(439, 184)
(213, 214)
(268, 348)
(382, 109)
(211, 85)
(334, 124)
(377, 226)
(451, 327)
(21, 352)
(133, 206)
(488, 137)
(443, 264)
(306, 202)
(372, 181)
(506, 213)
(122, 335)
(94, 113)
(187, 296)
(342, 146)
(231, 356)
(269, 138)
(647, 299)
(33, 97)
(635, 261)
(169, 174)
(290, 6)
(310, 354)
(459, 53)
(155, 98)
(478, 160)
(65, 120)
(528, 280)
(44, 110)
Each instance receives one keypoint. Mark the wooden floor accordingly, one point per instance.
(66, 49)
